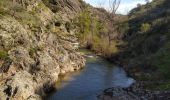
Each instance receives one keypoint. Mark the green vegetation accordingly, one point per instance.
(145, 27)
(3, 4)
(93, 34)
(20, 13)
(161, 60)
(5, 9)
(158, 86)
(148, 49)
(3, 55)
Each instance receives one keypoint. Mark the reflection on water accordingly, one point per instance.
(87, 83)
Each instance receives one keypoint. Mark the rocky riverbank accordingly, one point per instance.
(135, 92)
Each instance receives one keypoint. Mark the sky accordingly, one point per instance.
(124, 8)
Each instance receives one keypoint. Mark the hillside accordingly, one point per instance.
(147, 53)
(36, 45)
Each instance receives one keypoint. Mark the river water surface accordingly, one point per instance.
(89, 82)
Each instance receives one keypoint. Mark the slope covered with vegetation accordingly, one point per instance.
(148, 42)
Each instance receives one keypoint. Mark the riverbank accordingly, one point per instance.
(135, 92)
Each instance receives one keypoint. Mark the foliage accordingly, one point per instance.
(84, 22)
(145, 27)
(148, 38)
(3, 55)
(92, 33)
(158, 86)
(3, 5)
(161, 60)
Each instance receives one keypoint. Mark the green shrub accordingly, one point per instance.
(145, 27)
(83, 21)
(3, 55)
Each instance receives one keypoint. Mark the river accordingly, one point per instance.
(89, 82)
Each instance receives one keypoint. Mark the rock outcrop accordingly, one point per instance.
(35, 47)
(67, 8)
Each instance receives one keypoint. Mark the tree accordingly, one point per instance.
(113, 5)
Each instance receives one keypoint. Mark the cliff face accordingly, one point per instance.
(36, 45)
(67, 9)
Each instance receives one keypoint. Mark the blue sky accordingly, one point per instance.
(125, 6)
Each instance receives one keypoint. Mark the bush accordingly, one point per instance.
(145, 27)
(3, 55)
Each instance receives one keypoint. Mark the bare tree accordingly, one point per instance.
(113, 5)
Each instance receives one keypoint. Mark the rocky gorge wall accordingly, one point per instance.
(36, 45)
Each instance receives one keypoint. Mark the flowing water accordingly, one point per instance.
(89, 82)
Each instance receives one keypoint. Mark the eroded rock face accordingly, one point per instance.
(68, 8)
(37, 53)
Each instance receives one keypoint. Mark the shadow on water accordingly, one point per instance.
(89, 82)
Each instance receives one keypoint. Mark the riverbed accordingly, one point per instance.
(87, 83)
